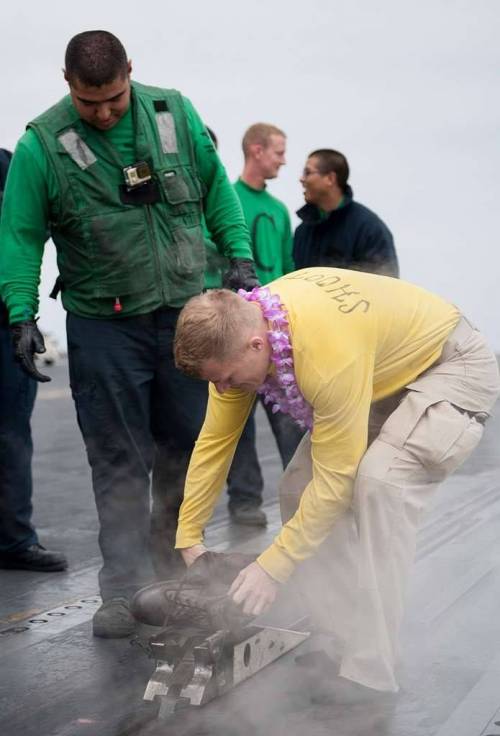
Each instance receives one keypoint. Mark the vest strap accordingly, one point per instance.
(77, 149)
(166, 128)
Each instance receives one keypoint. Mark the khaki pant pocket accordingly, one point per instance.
(441, 438)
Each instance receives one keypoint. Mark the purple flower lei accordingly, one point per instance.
(280, 389)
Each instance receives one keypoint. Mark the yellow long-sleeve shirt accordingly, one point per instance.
(356, 338)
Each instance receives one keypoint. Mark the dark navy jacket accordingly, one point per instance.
(349, 237)
(5, 157)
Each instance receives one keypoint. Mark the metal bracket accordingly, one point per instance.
(193, 672)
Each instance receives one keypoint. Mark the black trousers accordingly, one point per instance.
(132, 403)
(17, 397)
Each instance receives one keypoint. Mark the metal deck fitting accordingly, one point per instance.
(192, 672)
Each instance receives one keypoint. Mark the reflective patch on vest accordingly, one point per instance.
(166, 128)
(77, 149)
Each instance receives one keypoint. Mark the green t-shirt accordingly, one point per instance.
(269, 224)
(121, 137)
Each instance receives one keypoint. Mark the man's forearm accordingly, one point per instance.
(20, 296)
(210, 462)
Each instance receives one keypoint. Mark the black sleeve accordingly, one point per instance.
(375, 251)
(299, 252)
(5, 157)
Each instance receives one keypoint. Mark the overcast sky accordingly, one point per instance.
(408, 91)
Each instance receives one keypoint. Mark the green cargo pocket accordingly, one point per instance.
(121, 259)
(188, 253)
(186, 263)
(182, 189)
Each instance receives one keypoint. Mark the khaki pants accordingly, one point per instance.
(355, 583)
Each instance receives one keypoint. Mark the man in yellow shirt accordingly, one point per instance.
(394, 386)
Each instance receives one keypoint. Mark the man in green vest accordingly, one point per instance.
(267, 218)
(121, 174)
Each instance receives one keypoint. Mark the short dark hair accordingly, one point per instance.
(95, 58)
(330, 160)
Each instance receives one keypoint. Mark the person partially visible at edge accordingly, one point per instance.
(394, 401)
(20, 548)
(122, 172)
(335, 230)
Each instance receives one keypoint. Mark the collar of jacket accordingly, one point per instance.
(311, 214)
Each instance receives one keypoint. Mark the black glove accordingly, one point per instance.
(27, 340)
(241, 275)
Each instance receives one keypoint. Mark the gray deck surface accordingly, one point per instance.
(56, 680)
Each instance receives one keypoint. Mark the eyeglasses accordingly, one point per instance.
(309, 172)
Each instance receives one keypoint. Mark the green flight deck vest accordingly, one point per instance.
(113, 254)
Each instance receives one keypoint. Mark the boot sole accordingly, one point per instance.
(32, 568)
(248, 523)
(102, 633)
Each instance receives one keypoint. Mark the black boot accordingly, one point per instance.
(248, 514)
(113, 620)
(34, 557)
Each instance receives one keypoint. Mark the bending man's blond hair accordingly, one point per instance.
(212, 326)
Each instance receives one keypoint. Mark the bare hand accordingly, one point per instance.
(190, 554)
(254, 589)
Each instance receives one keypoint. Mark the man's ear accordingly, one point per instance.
(332, 178)
(129, 67)
(256, 149)
(65, 75)
(256, 343)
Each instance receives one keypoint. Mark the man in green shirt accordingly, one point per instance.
(264, 149)
(121, 173)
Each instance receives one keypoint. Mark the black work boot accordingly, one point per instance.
(198, 600)
(35, 558)
(113, 619)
